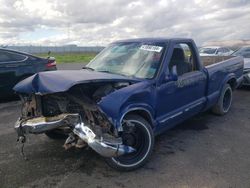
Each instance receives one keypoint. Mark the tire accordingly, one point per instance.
(224, 103)
(141, 137)
(56, 134)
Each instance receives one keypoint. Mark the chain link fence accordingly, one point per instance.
(57, 49)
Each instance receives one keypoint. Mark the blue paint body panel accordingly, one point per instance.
(165, 102)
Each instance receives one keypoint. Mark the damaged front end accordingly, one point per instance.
(76, 113)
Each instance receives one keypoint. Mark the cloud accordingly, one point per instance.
(99, 22)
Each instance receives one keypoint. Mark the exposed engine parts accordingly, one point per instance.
(77, 111)
(73, 141)
(80, 99)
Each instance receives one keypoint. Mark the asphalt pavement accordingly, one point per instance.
(205, 151)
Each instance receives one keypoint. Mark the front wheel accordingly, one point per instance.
(138, 134)
(224, 103)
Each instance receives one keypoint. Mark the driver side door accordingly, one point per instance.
(180, 98)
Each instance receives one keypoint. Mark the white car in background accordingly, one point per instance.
(245, 53)
(215, 51)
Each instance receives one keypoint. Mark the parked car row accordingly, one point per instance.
(16, 66)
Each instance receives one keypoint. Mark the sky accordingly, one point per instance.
(99, 22)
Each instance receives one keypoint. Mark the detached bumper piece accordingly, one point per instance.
(40, 125)
(107, 146)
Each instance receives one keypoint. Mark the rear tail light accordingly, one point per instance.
(51, 62)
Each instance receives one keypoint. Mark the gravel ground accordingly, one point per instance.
(205, 151)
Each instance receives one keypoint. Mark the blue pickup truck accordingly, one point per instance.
(130, 92)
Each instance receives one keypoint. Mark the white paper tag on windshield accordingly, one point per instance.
(151, 48)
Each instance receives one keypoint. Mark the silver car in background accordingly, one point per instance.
(245, 53)
(215, 51)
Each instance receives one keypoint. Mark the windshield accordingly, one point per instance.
(208, 50)
(133, 59)
(244, 52)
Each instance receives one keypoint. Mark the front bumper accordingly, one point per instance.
(42, 124)
(105, 145)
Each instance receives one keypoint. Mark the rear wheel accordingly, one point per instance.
(224, 103)
(138, 134)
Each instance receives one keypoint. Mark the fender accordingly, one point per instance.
(136, 107)
(226, 79)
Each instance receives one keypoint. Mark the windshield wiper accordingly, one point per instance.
(112, 72)
(105, 71)
(88, 68)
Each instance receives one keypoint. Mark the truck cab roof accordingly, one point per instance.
(158, 39)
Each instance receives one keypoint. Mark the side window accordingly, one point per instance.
(9, 56)
(220, 51)
(183, 59)
(247, 50)
(4, 57)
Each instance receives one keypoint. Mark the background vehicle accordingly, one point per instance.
(15, 66)
(245, 53)
(130, 92)
(215, 51)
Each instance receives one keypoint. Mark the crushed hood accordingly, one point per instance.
(60, 81)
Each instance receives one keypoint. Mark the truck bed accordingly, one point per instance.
(219, 70)
(209, 60)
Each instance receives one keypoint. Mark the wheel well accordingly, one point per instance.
(233, 83)
(143, 114)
